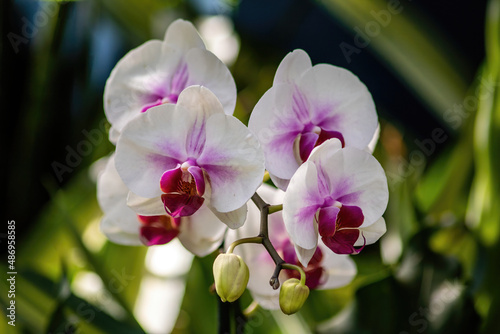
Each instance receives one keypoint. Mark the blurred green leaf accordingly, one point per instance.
(87, 312)
(484, 206)
(421, 297)
(199, 307)
(445, 185)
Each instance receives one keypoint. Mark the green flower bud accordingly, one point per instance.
(293, 294)
(231, 276)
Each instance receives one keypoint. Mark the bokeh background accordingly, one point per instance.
(433, 69)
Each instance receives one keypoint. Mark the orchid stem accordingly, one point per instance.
(299, 269)
(275, 208)
(254, 240)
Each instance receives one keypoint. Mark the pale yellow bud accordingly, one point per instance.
(293, 295)
(231, 276)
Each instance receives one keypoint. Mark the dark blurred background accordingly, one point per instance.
(420, 66)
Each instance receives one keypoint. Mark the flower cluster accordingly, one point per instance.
(185, 168)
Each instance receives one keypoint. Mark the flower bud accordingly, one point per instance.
(293, 294)
(231, 276)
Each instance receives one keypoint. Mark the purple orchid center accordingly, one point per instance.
(338, 226)
(314, 270)
(183, 189)
(172, 98)
(158, 230)
(312, 136)
(169, 92)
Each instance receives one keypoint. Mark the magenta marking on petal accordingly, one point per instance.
(323, 181)
(157, 230)
(350, 217)
(341, 190)
(314, 270)
(343, 241)
(196, 137)
(300, 106)
(167, 161)
(306, 215)
(199, 179)
(156, 235)
(219, 174)
(179, 80)
(173, 98)
(151, 105)
(349, 198)
(169, 181)
(346, 233)
(325, 135)
(306, 145)
(327, 221)
(181, 204)
(289, 254)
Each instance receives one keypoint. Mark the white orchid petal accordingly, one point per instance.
(340, 270)
(276, 130)
(373, 142)
(114, 232)
(183, 35)
(292, 67)
(201, 100)
(233, 161)
(372, 233)
(304, 255)
(145, 206)
(201, 233)
(278, 182)
(119, 223)
(352, 177)
(341, 102)
(207, 70)
(300, 205)
(233, 219)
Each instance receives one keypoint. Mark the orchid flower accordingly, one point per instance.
(340, 194)
(175, 158)
(306, 106)
(158, 71)
(200, 233)
(325, 271)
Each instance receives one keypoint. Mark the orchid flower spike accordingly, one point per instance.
(326, 270)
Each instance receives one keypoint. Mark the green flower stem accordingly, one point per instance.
(254, 240)
(299, 269)
(275, 208)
